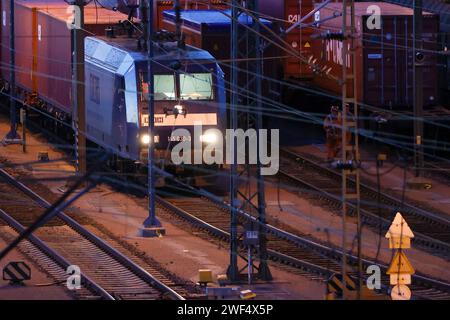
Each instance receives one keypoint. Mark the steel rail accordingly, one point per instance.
(281, 234)
(370, 218)
(114, 253)
(222, 234)
(425, 214)
(53, 255)
(326, 252)
(374, 220)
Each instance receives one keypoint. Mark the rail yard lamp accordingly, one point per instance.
(152, 226)
(418, 88)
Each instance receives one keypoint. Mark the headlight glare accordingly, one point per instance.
(145, 139)
(208, 138)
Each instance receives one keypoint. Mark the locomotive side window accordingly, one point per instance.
(196, 86)
(94, 83)
(164, 87)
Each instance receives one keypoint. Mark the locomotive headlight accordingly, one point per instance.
(209, 138)
(145, 139)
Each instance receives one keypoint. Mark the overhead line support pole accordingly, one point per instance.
(79, 114)
(350, 150)
(418, 88)
(246, 54)
(12, 137)
(152, 226)
(233, 270)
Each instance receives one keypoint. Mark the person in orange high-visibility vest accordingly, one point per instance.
(331, 124)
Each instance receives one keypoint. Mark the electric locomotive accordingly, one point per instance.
(188, 84)
(188, 90)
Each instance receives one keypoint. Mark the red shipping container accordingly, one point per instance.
(163, 5)
(283, 13)
(298, 39)
(210, 31)
(385, 57)
(4, 44)
(44, 46)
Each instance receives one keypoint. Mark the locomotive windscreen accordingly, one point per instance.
(193, 86)
(196, 86)
(164, 87)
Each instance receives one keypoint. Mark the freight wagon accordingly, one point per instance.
(210, 30)
(163, 5)
(282, 14)
(43, 44)
(385, 57)
(442, 8)
(286, 13)
(189, 88)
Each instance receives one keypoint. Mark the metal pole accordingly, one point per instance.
(233, 271)
(418, 88)
(344, 157)
(246, 46)
(151, 221)
(80, 107)
(178, 35)
(12, 136)
(263, 269)
(249, 265)
(23, 120)
(350, 163)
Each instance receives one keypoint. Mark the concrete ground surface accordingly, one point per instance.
(437, 197)
(39, 287)
(179, 251)
(310, 218)
(184, 254)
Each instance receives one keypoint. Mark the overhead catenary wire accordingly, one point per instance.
(316, 120)
(324, 94)
(319, 121)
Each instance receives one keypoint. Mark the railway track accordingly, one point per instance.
(301, 255)
(432, 231)
(106, 272)
(296, 253)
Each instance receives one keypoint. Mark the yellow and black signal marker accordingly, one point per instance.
(16, 272)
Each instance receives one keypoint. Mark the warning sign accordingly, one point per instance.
(16, 272)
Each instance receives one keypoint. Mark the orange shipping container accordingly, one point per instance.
(43, 44)
(385, 57)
